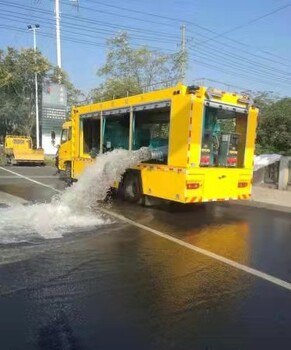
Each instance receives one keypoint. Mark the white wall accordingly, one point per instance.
(49, 149)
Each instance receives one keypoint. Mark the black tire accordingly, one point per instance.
(68, 174)
(7, 161)
(13, 161)
(131, 188)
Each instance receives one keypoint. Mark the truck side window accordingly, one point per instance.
(70, 133)
(64, 136)
(91, 136)
(116, 133)
(151, 129)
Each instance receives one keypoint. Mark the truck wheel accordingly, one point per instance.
(132, 191)
(8, 161)
(68, 174)
(13, 161)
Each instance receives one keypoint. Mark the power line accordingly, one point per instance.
(248, 69)
(237, 70)
(82, 30)
(236, 66)
(262, 71)
(180, 20)
(241, 59)
(198, 62)
(245, 24)
(68, 38)
(231, 72)
(169, 18)
(79, 18)
(245, 51)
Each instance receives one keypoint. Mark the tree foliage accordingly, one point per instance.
(17, 88)
(129, 70)
(274, 130)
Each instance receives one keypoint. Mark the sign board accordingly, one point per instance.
(54, 95)
(54, 112)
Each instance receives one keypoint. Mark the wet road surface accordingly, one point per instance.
(119, 286)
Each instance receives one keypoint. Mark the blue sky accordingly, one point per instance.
(256, 56)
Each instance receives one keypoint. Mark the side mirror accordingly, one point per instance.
(53, 137)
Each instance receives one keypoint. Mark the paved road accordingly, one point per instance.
(122, 286)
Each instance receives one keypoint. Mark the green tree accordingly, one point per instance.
(273, 134)
(17, 97)
(129, 70)
(17, 88)
(274, 131)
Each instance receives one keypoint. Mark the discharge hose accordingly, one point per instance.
(146, 153)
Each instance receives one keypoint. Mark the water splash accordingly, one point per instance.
(75, 208)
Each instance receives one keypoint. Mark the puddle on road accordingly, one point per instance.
(75, 208)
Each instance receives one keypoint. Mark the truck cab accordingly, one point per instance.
(65, 150)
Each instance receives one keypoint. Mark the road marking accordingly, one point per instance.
(234, 264)
(29, 179)
(220, 258)
(32, 177)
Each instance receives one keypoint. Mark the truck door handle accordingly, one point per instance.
(222, 177)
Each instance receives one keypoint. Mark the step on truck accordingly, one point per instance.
(19, 150)
(209, 136)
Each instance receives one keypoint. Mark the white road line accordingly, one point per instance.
(32, 177)
(220, 258)
(234, 264)
(29, 179)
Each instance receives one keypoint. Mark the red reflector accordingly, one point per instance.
(193, 186)
(231, 160)
(205, 160)
(242, 184)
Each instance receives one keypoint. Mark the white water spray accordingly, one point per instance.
(73, 209)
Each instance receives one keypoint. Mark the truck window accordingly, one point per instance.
(116, 132)
(223, 138)
(64, 136)
(91, 136)
(70, 133)
(18, 141)
(151, 129)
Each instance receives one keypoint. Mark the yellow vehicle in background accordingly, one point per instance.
(19, 150)
(208, 134)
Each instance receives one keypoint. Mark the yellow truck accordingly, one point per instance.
(19, 150)
(209, 136)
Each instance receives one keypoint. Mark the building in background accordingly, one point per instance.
(54, 111)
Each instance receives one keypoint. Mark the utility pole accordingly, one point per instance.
(183, 52)
(58, 36)
(34, 28)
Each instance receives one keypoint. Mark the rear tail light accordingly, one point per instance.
(232, 161)
(193, 186)
(242, 184)
(205, 160)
